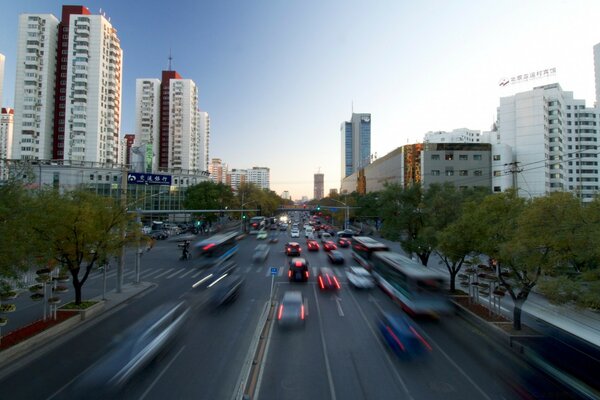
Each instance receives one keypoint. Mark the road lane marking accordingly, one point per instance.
(161, 374)
(338, 301)
(314, 271)
(258, 269)
(197, 273)
(279, 271)
(187, 273)
(164, 273)
(175, 273)
(150, 273)
(324, 345)
(247, 269)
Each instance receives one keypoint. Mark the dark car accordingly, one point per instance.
(401, 335)
(335, 257)
(159, 234)
(298, 271)
(312, 245)
(343, 242)
(293, 249)
(215, 273)
(327, 279)
(226, 290)
(329, 245)
(291, 310)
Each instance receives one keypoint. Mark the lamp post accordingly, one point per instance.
(242, 215)
(346, 212)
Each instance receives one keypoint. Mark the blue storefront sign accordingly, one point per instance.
(136, 178)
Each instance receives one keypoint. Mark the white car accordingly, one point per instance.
(360, 278)
(295, 233)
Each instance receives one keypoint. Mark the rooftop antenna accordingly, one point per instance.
(170, 59)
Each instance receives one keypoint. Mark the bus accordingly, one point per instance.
(418, 290)
(215, 249)
(257, 224)
(363, 248)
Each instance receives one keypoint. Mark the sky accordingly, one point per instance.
(279, 77)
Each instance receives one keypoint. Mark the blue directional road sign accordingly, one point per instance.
(136, 178)
(332, 209)
(273, 271)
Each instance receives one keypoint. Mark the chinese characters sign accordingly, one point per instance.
(530, 76)
(134, 178)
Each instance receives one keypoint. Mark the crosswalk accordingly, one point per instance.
(156, 274)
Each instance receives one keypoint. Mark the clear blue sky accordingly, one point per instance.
(278, 77)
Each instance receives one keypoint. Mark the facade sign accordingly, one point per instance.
(543, 73)
(134, 178)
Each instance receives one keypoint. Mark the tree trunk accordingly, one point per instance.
(424, 257)
(77, 287)
(517, 314)
(453, 281)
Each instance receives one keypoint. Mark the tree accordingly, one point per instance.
(208, 195)
(79, 229)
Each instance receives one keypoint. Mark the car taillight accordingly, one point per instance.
(321, 282)
(420, 338)
(306, 273)
(290, 273)
(302, 311)
(391, 332)
(337, 284)
(280, 312)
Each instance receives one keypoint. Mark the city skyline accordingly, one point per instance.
(266, 92)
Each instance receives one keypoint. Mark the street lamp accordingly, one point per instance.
(346, 213)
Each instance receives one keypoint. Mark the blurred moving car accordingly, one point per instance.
(325, 237)
(335, 257)
(312, 245)
(293, 249)
(294, 233)
(343, 242)
(298, 271)
(401, 335)
(225, 290)
(283, 226)
(215, 273)
(262, 234)
(261, 252)
(131, 352)
(329, 245)
(360, 278)
(292, 309)
(327, 280)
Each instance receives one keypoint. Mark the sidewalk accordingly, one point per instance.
(583, 323)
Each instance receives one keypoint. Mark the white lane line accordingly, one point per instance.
(247, 269)
(279, 271)
(268, 272)
(175, 273)
(258, 269)
(197, 273)
(161, 374)
(164, 273)
(187, 273)
(314, 271)
(327, 366)
(385, 353)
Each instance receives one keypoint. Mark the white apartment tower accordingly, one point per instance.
(218, 171)
(6, 135)
(2, 58)
(147, 121)
(260, 176)
(597, 73)
(184, 125)
(205, 139)
(34, 87)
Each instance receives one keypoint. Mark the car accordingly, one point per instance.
(273, 227)
(325, 237)
(327, 279)
(312, 245)
(343, 242)
(292, 310)
(159, 234)
(360, 278)
(329, 245)
(347, 234)
(335, 257)
(225, 291)
(298, 271)
(401, 335)
(283, 226)
(261, 252)
(262, 234)
(215, 273)
(294, 233)
(293, 249)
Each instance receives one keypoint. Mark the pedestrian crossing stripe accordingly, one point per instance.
(187, 273)
(164, 273)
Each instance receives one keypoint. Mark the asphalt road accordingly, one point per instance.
(337, 355)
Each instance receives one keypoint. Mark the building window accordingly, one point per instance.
(496, 157)
(497, 173)
(450, 172)
(463, 172)
(435, 172)
(91, 177)
(463, 157)
(435, 156)
(497, 189)
(477, 157)
(449, 156)
(478, 172)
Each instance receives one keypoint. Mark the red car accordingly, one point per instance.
(343, 242)
(329, 245)
(312, 245)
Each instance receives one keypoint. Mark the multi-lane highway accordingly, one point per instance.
(338, 354)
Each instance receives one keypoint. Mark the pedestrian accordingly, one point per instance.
(151, 243)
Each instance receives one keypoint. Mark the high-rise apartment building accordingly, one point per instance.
(554, 141)
(597, 73)
(236, 177)
(355, 143)
(218, 171)
(6, 135)
(260, 176)
(286, 195)
(35, 86)
(68, 87)
(2, 58)
(170, 128)
(319, 187)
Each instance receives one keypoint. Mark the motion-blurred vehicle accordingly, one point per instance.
(215, 250)
(401, 335)
(273, 239)
(343, 242)
(298, 271)
(325, 237)
(215, 273)
(261, 252)
(291, 310)
(294, 233)
(360, 278)
(335, 257)
(312, 245)
(327, 279)
(262, 234)
(159, 234)
(293, 249)
(225, 290)
(131, 351)
(347, 234)
(329, 245)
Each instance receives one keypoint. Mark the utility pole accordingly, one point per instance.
(514, 170)
(121, 265)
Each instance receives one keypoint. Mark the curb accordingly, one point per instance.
(29, 346)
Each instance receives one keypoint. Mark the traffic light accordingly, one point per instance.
(318, 207)
(244, 216)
